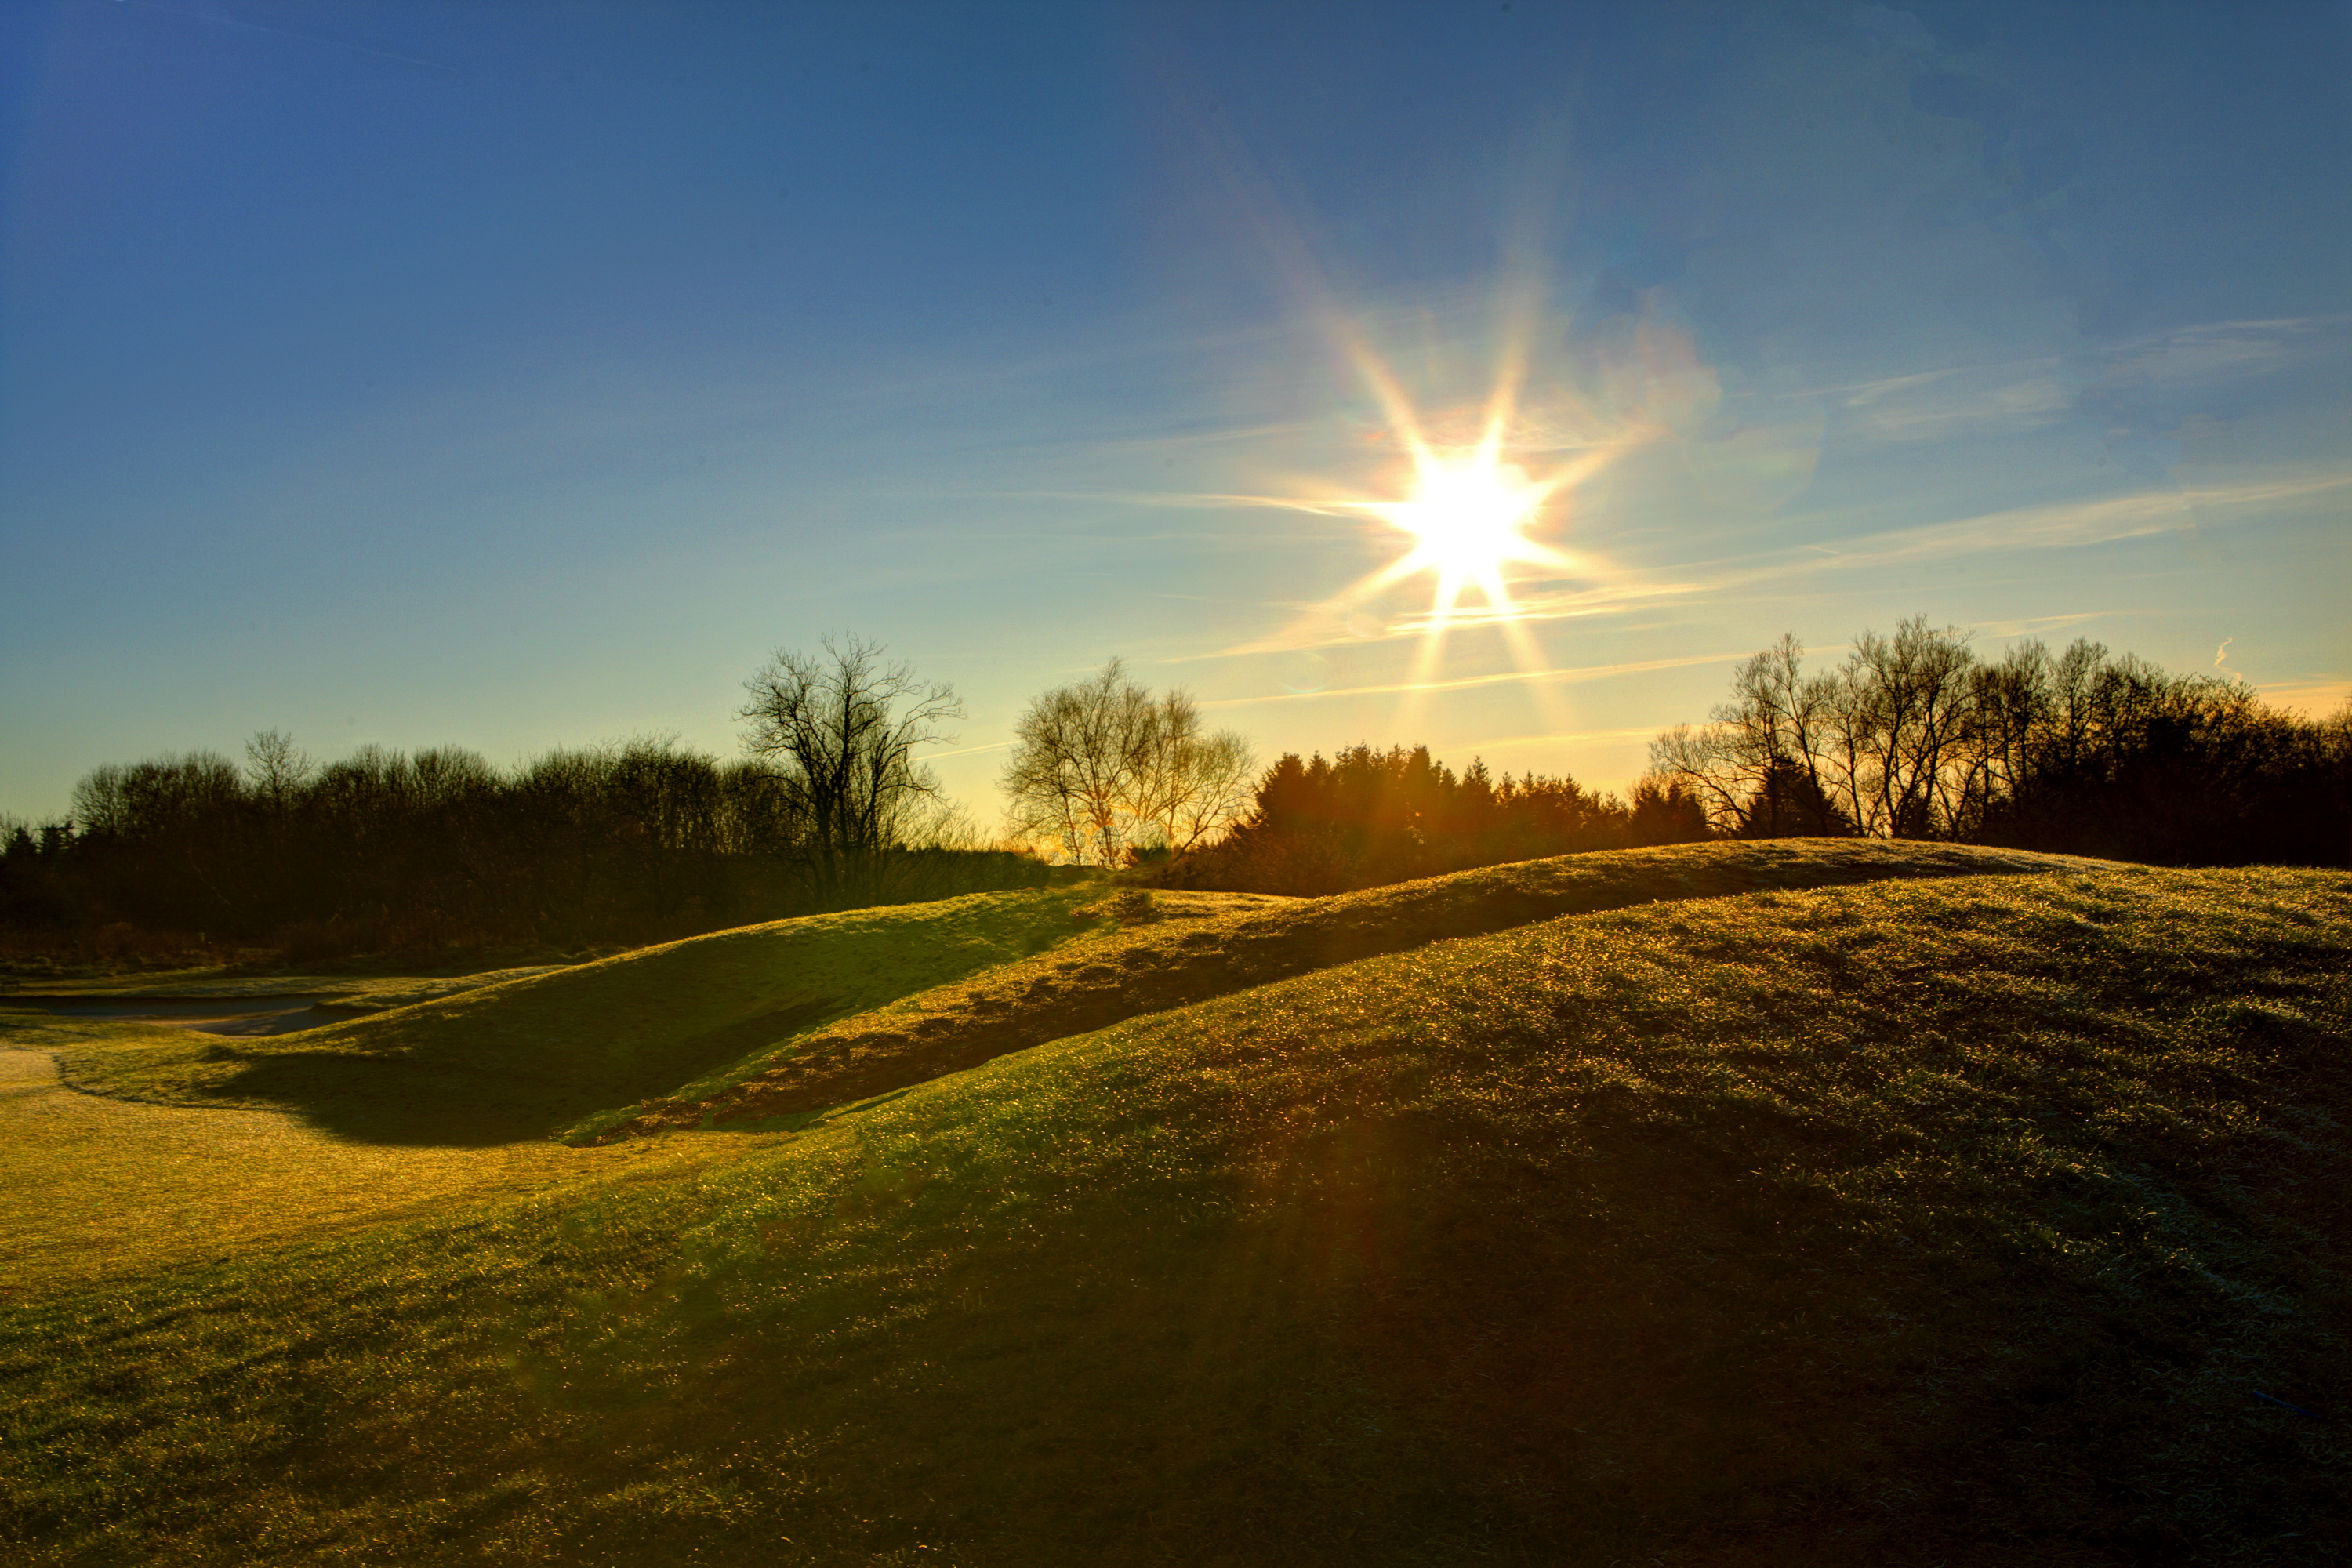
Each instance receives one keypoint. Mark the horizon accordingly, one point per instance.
(385, 374)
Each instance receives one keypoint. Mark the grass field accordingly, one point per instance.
(1983, 1218)
(526, 1057)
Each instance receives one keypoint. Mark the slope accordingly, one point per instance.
(819, 1011)
(1960, 1220)
(523, 1057)
(1154, 967)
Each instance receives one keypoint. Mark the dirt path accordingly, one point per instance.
(89, 1187)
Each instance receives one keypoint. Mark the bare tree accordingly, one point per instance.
(1894, 744)
(1214, 778)
(1911, 719)
(1190, 787)
(276, 766)
(843, 726)
(1072, 775)
(1766, 763)
(1101, 765)
(1711, 764)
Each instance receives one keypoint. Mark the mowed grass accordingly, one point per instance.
(795, 1017)
(525, 1057)
(1962, 1221)
(96, 1186)
(359, 993)
(1154, 963)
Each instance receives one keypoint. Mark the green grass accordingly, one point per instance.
(1153, 964)
(798, 1016)
(529, 1056)
(365, 993)
(1954, 1220)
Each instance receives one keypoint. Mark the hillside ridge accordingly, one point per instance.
(1155, 968)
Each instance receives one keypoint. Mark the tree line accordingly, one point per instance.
(645, 840)
(2082, 752)
(1910, 736)
(1367, 817)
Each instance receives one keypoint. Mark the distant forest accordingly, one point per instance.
(385, 852)
(199, 858)
(1367, 817)
(2083, 752)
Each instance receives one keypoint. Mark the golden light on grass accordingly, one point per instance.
(1774, 1125)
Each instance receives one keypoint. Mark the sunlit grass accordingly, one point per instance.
(1951, 1221)
(1155, 964)
(522, 1058)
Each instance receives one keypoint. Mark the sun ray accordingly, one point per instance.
(1472, 507)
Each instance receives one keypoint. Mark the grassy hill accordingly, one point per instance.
(1972, 1219)
(798, 1016)
(526, 1057)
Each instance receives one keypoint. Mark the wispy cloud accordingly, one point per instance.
(2066, 525)
(2000, 408)
(2140, 380)
(2316, 697)
(2034, 625)
(1561, 677)
(2074, 525)
(964, 752)
(1549, 738)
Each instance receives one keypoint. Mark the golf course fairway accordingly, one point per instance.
(1786, 1203)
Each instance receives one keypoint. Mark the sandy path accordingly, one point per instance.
(89, 1187)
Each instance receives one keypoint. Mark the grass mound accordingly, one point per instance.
(526, 1057)
(798, 1016)
(1946, 1221)
(1152, 967)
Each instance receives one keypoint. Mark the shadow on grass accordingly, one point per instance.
(1159, 967)
(408, 1099)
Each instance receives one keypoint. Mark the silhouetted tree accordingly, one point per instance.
(1101, 766)
(843, 726)
(1915, 737)
(1365, 817)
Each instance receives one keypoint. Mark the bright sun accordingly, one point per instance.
(1477, 524)
(1465, 518)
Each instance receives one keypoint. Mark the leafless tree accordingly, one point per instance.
(276, 766)
(1912, 720)
(1782, 729)
(1101, 765)
(1893, 743)
(1190, 785)
(843, 726)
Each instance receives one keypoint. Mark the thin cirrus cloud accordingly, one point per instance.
(2155, 383)
(2140, 397)
(2071, 525)
(1461, 683)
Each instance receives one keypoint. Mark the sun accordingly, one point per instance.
(1466, 518)
(1468, 515)
(1483, 518)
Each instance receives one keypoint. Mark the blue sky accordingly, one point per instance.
(519, 375)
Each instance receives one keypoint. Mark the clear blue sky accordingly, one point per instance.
(520, 375)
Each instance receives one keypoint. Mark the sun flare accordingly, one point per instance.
(1466, 517)
(1482, 518)
(1470, 517)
